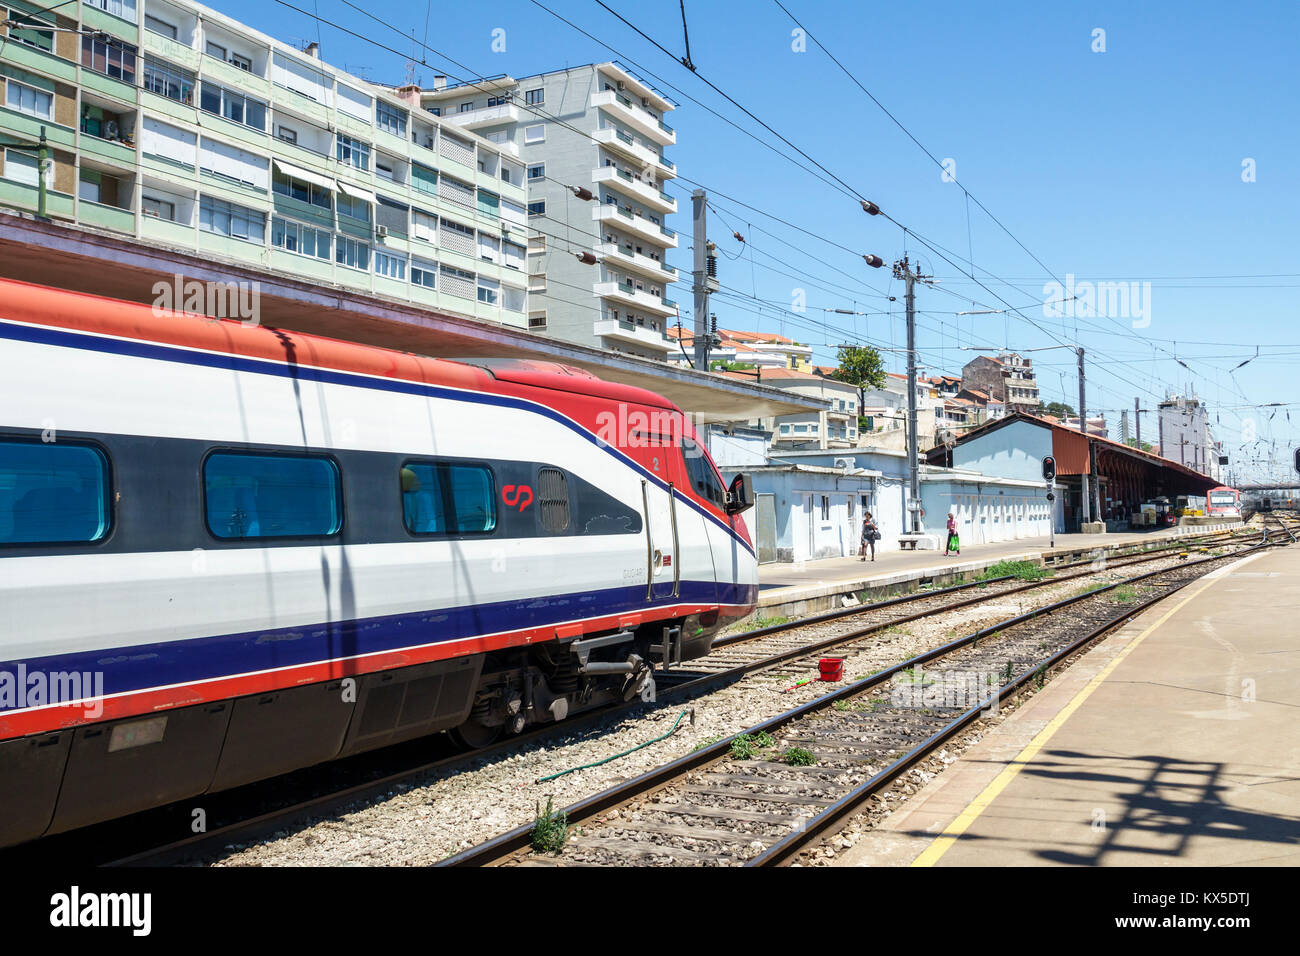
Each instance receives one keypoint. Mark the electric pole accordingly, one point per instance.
(903, 270)
(705, 279)
(1085, 495)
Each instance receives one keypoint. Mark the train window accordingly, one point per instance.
(553, 500)
(52, 493)
(445, 498)
(271, 496)
(700, 470)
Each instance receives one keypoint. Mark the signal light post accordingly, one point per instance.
(1049, 476)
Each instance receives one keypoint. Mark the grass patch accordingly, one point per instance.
(1021, 570)
(747, 746)
(1123, 595)
(550, 829)
(762, 622)
(799, 757)
(709, 741)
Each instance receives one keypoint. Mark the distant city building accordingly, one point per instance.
(836, 427)
(759, 349)
(1006, 378)
(1096, 425)
(1185, 433)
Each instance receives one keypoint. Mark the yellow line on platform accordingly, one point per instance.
(930, 856)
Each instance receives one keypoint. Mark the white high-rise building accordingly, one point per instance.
(598, 128)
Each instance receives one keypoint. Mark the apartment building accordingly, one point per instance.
(598, 128)
(835, 427)
(176, 125)
(760, 350)
(1008, 378)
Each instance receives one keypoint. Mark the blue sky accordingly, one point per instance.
(1122, 165)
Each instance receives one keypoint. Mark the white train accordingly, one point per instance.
(228, 552)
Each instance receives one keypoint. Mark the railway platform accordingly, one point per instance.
(807, 587)
(1171, 743)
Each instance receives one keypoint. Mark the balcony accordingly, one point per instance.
(628, 295)
(637, 225)
(642, 192)
(484, 116)
(634, 261)
(623, 331)
(632, 114)
(623, 144)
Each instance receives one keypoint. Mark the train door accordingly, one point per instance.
(662, 533)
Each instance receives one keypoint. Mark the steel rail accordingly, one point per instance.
(518, 839)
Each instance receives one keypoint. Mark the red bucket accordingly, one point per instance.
(832, 668)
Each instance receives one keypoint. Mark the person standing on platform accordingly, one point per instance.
(870, 535)
(954, 542)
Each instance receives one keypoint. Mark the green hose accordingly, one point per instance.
(597, 763)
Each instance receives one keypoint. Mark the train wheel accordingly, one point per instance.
(473, 735)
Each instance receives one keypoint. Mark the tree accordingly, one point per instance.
(861, 366)
(1059, 409)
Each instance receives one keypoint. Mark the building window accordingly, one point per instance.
(489, 291)
(109, 56)
(271, 496)
(52, 493)
(535, 134)
(300, 190)
(352, 253)
(537, 208)
(233, 106)
(354, 206)
(216, 50)
(31, 31)
(29, 100)
(424, 273)
(390, 266)
(352, 152)
(423, 179)
(241, 62)
(535, 97)
(287, 135)
(169, 81)
(304, 240)
(390, 118)
(226, 219)
(158, 208)
(497, 101)
(826, 508)
(442, 498)
(125, 9)
(467, 107)
(537, 320)
(537, 172)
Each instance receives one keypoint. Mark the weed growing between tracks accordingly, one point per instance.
(550, 829)
(1021, 570)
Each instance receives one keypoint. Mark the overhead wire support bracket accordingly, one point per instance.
(686, 36)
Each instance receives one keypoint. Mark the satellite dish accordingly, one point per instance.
(947, 437)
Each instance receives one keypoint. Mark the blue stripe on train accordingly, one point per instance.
(238, 363)
(143, 666)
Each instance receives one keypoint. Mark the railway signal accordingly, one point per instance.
(1049, 468)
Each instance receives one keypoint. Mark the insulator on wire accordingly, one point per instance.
(711, 266)
(874, 261)
(739, 237)
(586, 258)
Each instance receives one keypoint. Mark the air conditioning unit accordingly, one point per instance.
(381, 232)
(845, 463)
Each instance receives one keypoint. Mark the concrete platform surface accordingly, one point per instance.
(1174, 742)
(781, 584)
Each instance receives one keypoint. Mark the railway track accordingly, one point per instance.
(764, 796)
(737, 656)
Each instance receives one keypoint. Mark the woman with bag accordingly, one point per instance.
(954, 542)
(870, 535)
